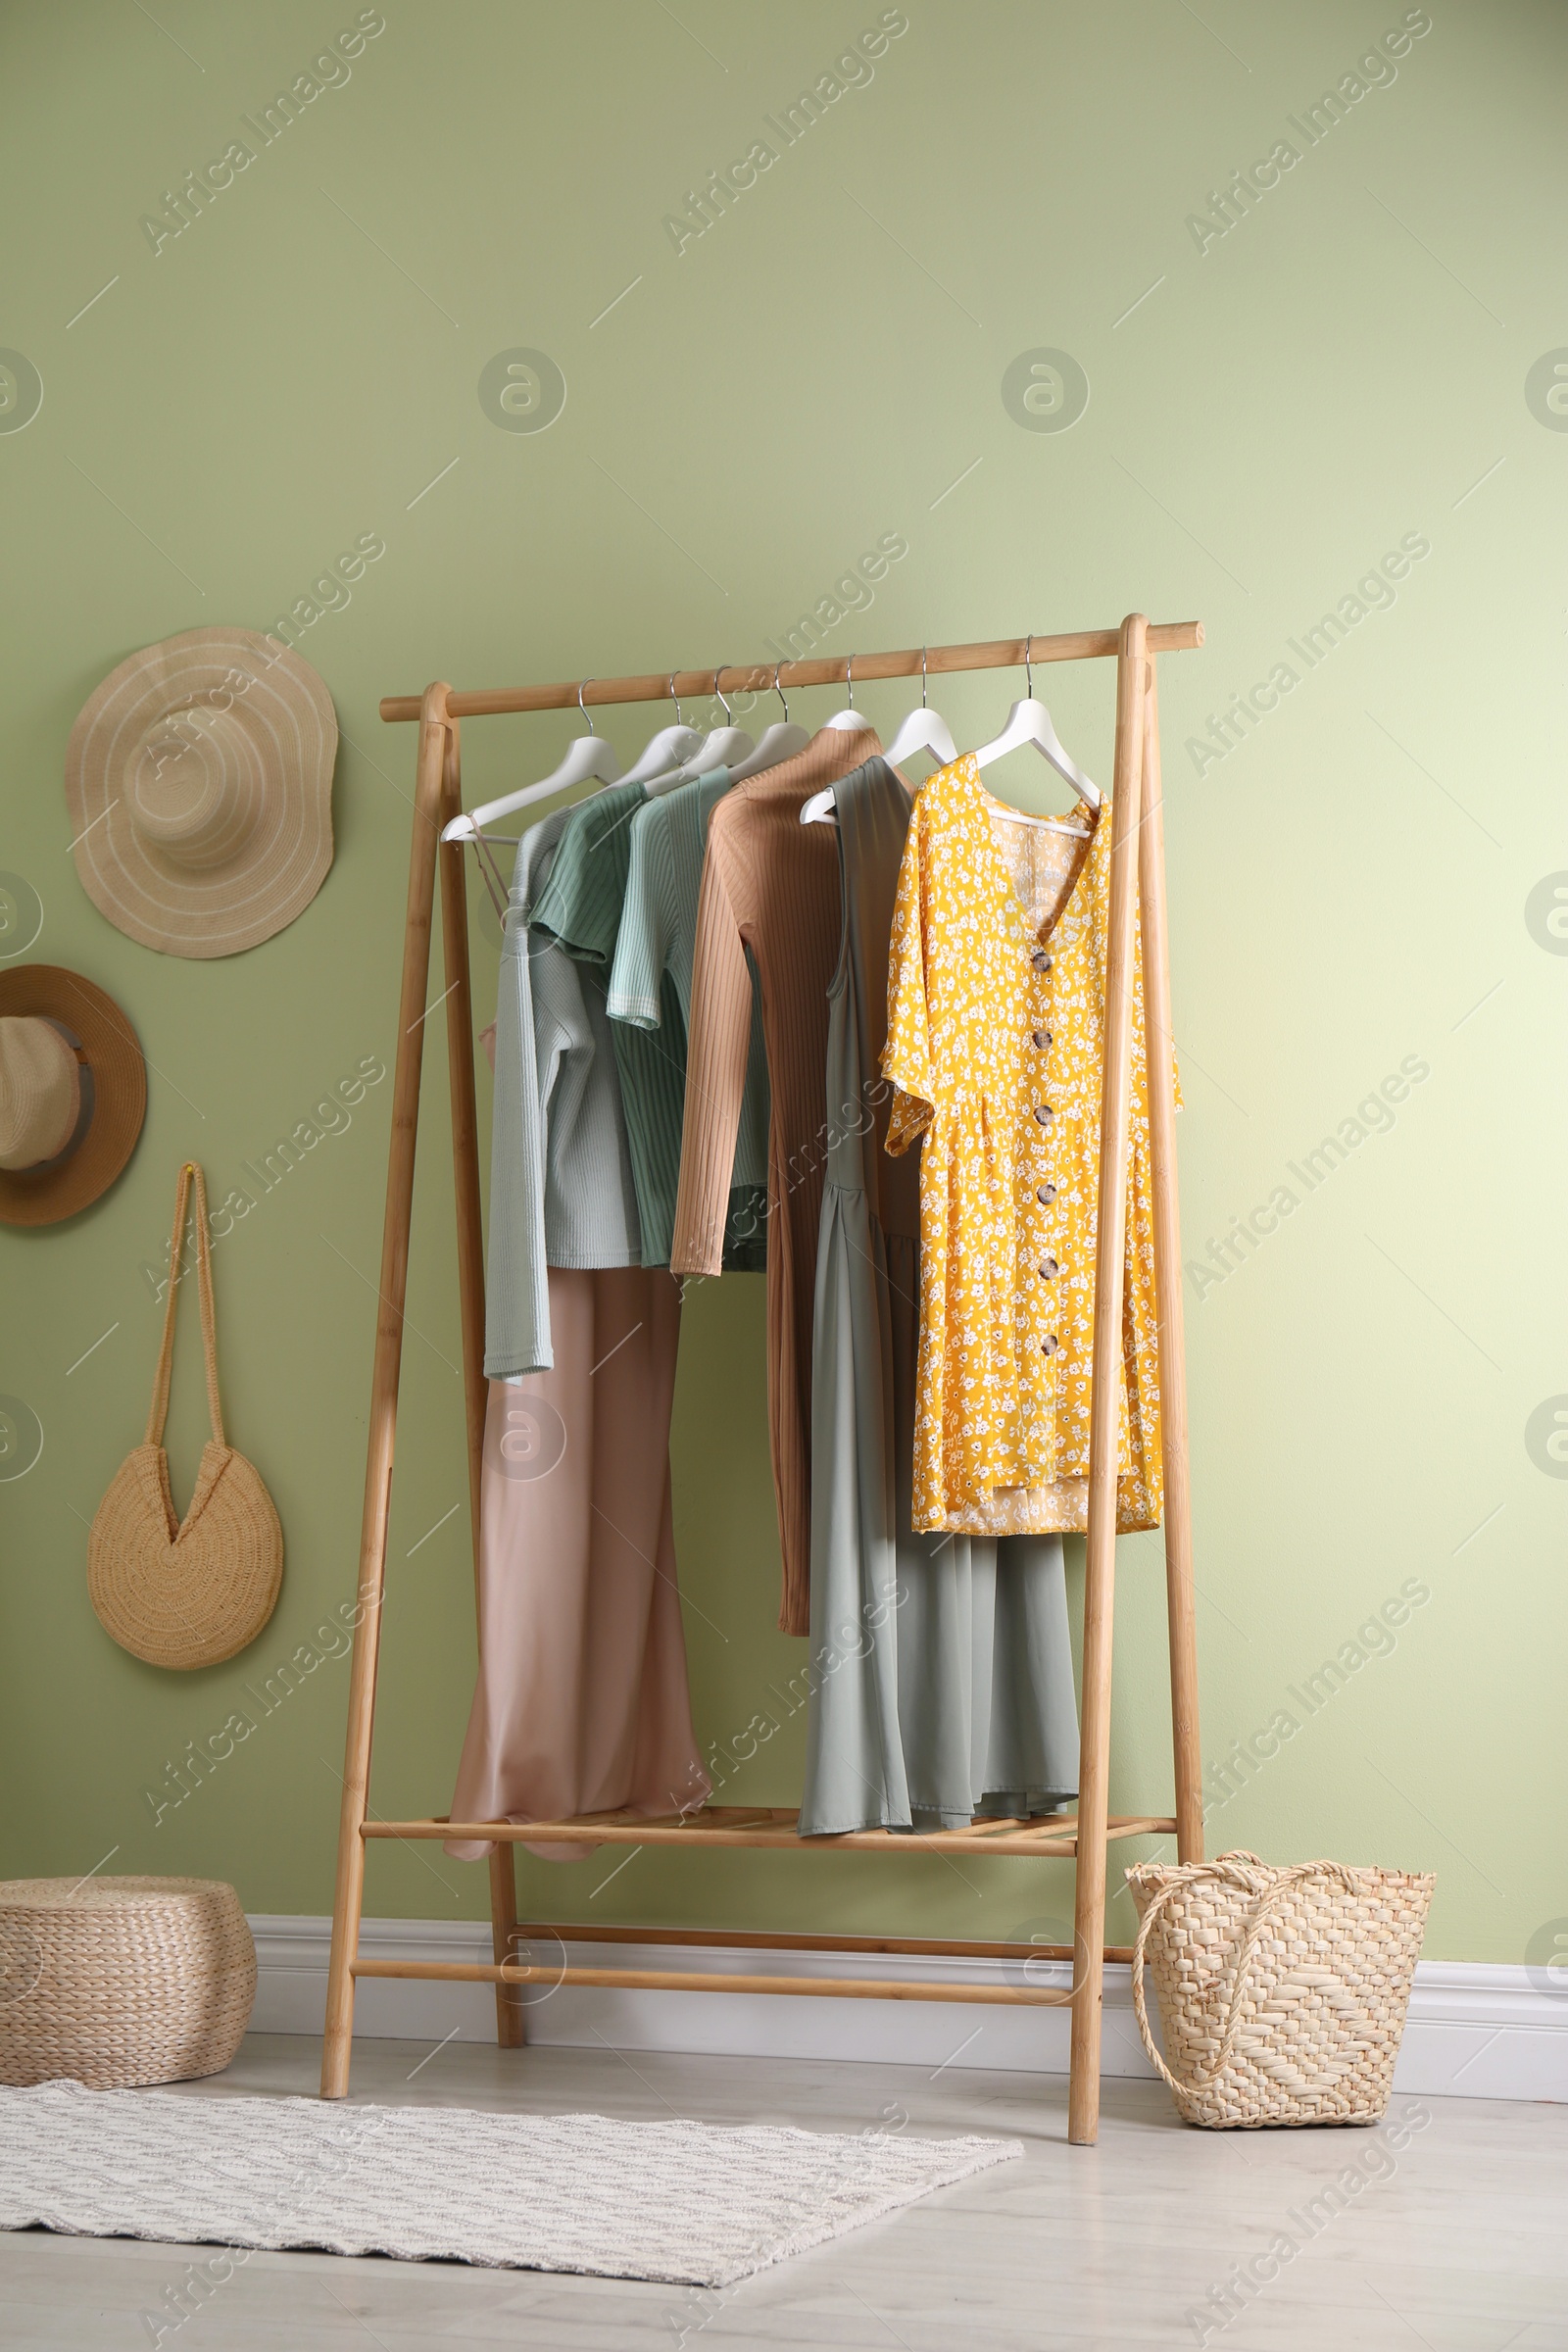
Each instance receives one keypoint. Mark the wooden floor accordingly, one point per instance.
(1455, 2239)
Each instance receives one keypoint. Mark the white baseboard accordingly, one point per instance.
(1476, 2030)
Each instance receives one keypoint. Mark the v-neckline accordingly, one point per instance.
(1034, 935)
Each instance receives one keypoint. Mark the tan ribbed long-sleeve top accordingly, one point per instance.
(769, 884)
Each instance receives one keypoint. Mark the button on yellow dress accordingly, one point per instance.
(996, 1041)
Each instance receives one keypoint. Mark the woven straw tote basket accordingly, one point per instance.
(120, 1982)
(189, 1591)
(1283, 1992)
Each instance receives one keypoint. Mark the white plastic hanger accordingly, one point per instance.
(726, 747)
(587, 756)
(1029, 721)
(667, 749)
(922, 731)
(781, 740)
(849, 721)
(818, 809)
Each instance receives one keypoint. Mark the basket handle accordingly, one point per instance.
(1234, 1869)
(190, 1173)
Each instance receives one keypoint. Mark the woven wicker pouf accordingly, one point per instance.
(122, 1981)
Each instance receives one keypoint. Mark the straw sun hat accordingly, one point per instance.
(73, 1092)
(199, 782)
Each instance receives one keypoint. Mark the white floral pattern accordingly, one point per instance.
(996, 1044)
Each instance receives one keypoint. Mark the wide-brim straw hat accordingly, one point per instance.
(199, 782)
(73, 1092)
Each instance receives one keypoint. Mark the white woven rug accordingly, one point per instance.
(687, 2202)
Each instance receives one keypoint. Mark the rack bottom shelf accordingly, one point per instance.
(1052, 1836)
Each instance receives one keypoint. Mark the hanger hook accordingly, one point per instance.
(729, 715)
(923, 677)
(779, 691)
(583, 707)
(848, 679)
(1028, 672)
(675, 698)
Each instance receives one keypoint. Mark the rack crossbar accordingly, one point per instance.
(780, 1940)
(656, 1980)
(1001, 652)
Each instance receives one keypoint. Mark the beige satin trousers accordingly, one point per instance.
(581, 1703)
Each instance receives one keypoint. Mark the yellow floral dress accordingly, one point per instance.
(996, 1041)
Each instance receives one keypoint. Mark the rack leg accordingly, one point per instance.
(512, 2016)
(348, 1897)
(471, 1288)
(1180, 1602)
(1094, 1772)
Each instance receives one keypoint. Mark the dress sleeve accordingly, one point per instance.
(642, 943)
(906, 1057)
(716, 1074)
(581, 902)
(516, 1320)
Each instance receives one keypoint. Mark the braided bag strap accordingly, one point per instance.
(1239, 1868)
(190, 1178)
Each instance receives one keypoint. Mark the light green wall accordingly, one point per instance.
(1348, 885)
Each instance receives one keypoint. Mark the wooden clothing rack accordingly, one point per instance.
(1137, 861)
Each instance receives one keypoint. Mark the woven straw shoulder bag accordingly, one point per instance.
(1283, 1992)
(189, 1591)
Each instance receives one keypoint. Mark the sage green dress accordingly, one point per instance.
(940, 1669)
